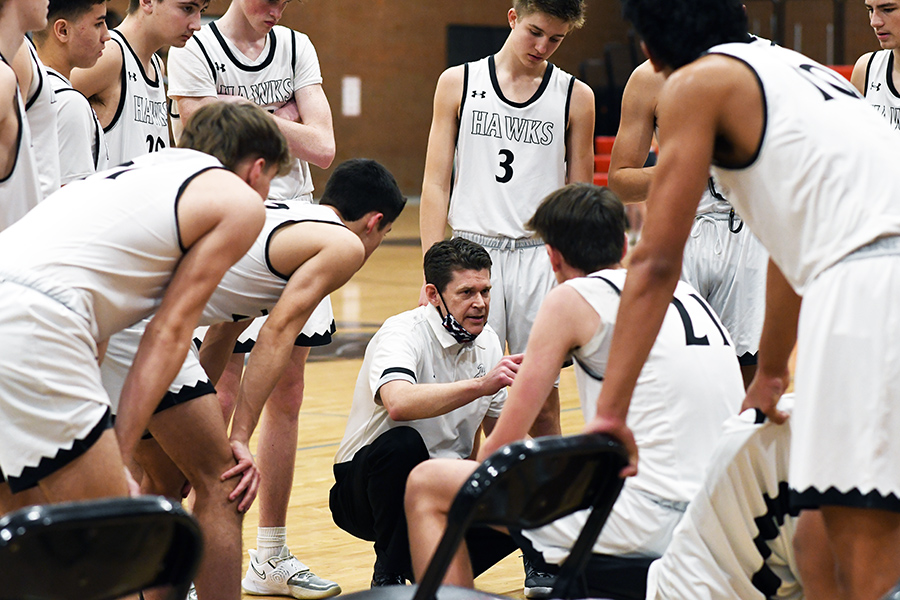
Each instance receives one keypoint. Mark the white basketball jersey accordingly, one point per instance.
(40, 108)
(251, 287)
(20, 191)
(82, 143)
(106, 246)
(509, 155)
(211, 65)
(824, 180)
(141, 122)
(880, 90)
(735, 541)
(688, 386)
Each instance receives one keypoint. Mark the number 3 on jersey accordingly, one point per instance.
(506, 161)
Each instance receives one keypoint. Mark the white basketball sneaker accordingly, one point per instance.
(284, 575)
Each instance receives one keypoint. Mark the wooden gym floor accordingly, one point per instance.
(388, 284)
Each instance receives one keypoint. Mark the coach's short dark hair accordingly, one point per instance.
(586, 223)
(570, 11)
(677, 32)
(360, 186)
(447, 256)
(235, 132)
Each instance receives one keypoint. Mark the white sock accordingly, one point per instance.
(269, 542)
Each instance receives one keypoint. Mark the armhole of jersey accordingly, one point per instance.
(209, 62)
(568, 107)
(178, 195)
(869, 70)
(281, 226)
(611, 284)
(765, 123)
(890, 76)
(462, 102)
(293, 53)
(21, 119)
(123, 91)
(97, 143)
(40, 75)
(589, 371)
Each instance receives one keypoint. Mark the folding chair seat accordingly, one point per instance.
(97, 549)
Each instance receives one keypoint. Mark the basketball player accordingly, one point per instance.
(773, 124)
(877, 74)
(19, 185)
(722, 259)
(154, 235)
(423, 391)
(244, 56)
(516, 127)
(304, 252)
(40, 108)
(125, 86)
(688, 387)
(75, 37)
(735, 540)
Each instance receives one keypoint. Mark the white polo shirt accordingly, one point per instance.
(413, 346)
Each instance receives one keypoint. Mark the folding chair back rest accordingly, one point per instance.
(532, 483)
(98, 549)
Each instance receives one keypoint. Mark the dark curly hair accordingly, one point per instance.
(448, 256)
(677, 32)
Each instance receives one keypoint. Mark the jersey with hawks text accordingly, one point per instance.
(20, 191)
(141, 122)
(509, 155)
(824, 181)
(880, 90)
(211, 65)
(252, 286)
(106, 246)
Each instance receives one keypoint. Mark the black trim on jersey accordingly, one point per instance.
(568, 105)
(712, 316)
(765, 124)
(123, 78)
(209, 62)
(589, 371)
(813, 498)
(769, 527)
(403, 370)
(21, 118)
(252, 68)
(40, 72)
(492, 70)
(154, 60)
(178, 194)
(890, 75)
(293, 53)
(868, 69)
(48, 465)
(462, 104)
(611, 284)
(281, 226)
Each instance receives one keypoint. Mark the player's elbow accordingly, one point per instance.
(325, 155)
(397, 411)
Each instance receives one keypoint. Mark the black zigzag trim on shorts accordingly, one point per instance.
(187, 392)
(31, 475)
(813, 498)
(305, 341)
(748, 359)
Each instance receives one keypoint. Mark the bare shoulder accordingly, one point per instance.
(104, 75)
(8, 84)
(450, 83)
(645, 80)
(582, 95)
(216, 196)
(858, 76)
(711, 76)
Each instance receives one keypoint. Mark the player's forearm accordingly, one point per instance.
(218, 346)
(311, 143)
(780, 325)
(631, 185)
(433, 209)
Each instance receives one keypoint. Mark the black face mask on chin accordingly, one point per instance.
(453, 326)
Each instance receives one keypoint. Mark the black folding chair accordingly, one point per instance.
(526, 485)
(98, 549)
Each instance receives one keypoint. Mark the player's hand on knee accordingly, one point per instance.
(246, 489)
(619, 430)
(503, 374)
(764, 393)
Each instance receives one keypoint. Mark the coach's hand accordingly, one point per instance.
(764, 393)
(619, 430)
(248, 486)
